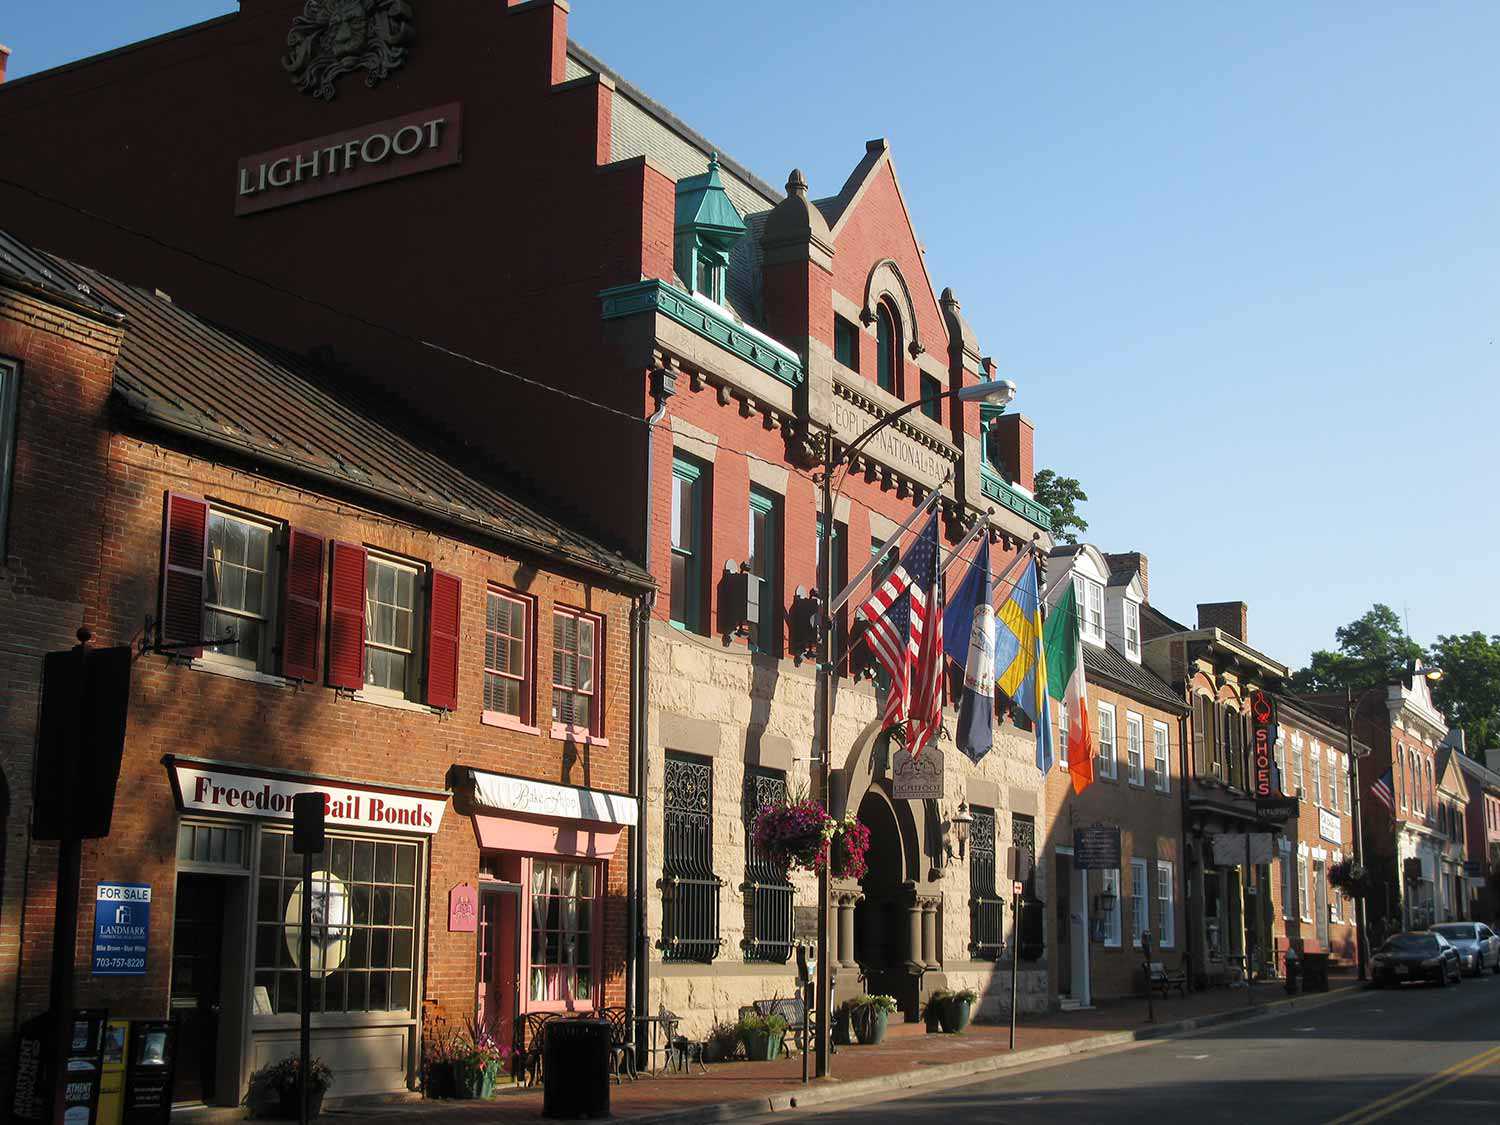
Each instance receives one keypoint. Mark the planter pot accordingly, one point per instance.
(286, 1107)
(954, 1015)
(762, 1046)
(477, 1081)
(932, 1017)
(841, 1034)
(442, 1082)
(869, 1024)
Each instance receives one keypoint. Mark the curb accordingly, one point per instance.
(835, 1091)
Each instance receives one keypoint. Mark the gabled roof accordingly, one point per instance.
(1478, 771)
(1132, 678)
(47, 277)
(184, 374)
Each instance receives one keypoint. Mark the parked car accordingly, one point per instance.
(1478, 946)
(1416, 956)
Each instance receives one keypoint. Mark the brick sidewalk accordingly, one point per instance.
(907, 1050)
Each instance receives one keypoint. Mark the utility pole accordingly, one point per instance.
(1360, 950)
(823, 737)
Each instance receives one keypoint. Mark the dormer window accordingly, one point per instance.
(1090, 597)
(1132, 630)
(706, 227)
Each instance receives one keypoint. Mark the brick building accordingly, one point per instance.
(548, 228)
(1096, 918)
(1452, 808)
(390, 618)
(1482, 824)
(1307, 911)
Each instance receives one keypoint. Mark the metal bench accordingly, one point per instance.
(1163, 981)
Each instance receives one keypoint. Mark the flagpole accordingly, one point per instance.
(837, 603)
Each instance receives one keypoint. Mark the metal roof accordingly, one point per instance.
(44, 275)
(1136, 679)
(181, 372)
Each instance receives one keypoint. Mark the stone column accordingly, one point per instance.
(847, 900)
(914, 933)
(929, 934)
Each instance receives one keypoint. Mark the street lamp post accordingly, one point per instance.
(999, 391)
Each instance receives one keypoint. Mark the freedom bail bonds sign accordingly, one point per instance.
(206, 787)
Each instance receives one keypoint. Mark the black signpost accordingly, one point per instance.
(307, 840)
(1146, 967)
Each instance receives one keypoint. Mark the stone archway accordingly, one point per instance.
(886, 923)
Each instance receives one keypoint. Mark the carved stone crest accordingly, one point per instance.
(334, 37)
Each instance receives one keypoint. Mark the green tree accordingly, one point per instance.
(1061, 496)
(1370, 647)
(1469, 692)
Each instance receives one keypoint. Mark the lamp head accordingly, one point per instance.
(997, 392)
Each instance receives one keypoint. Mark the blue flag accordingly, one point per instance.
(1021, 660)
(969, 638)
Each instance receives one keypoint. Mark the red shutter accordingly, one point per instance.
(444, 596)
(346, 618)
(302, 605)
(183, 570)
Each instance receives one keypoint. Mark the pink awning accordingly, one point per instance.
(591, 839)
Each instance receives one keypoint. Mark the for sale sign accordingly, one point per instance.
(122, 929)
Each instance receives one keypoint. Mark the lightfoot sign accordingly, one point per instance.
(207, 787)
(371, 154)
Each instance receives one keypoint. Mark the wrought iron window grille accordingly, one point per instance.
(986, 905)
(689, 887)
(767, 889)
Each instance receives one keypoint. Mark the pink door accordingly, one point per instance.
(499, 969)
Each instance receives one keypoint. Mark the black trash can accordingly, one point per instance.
(575, 1069)
(1315, 972)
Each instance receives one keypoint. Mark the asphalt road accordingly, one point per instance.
(1416, 1053)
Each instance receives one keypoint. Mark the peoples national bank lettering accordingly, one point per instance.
(370, 154)
(216, 789)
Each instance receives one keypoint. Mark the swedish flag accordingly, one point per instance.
(1021, 661)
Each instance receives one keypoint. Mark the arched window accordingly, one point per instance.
(888, 350)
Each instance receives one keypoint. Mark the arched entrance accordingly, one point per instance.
(882, 941)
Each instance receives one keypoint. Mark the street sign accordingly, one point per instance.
(1017, 888)
(917, 779)
(1096, 847)
(1276, 808)
(122, 929)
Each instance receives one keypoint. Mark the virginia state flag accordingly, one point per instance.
(1021, 660)
(969, 634)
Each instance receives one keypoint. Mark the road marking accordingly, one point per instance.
(1409, 1095)
(1304, 1029)
(1195, 1058)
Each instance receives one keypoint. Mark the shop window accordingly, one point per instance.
(690, 889)
(986, 906)
(1135, 749)
(509, 662)
(575, 669)
(1166, 908)
(1139, 922)
(10, 378)
(764, 560)
(932, 405)
(845, 342)
(1161, 742)
(364, 941)
(390, 606)
(887, 350)
(690, 539)
(238, 588)
(564, 901)
(768, 890)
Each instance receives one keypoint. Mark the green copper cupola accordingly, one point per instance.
(706, 228)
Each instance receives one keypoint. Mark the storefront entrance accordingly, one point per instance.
(882, 941)
(197, 1001)
(498, 946)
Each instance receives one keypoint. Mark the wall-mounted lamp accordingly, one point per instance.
(958, 829)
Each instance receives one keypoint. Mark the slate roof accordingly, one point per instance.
(1477, 770)
(39, 273)
(1133, 678)
(185, 374)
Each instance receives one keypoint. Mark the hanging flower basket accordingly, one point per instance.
(801, 834)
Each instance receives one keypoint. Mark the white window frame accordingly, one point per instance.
(1135, 749)
(1166, 905)
(1280, 752)
(1161, 755)
(1333, 781)
(270, 595)
(594, 732)
(1299, 767)
(1061, 730)
(1109, 883)
(413, 654)
(1090, 598)
(526, 679)
(1317, 765)
(1348, 771)
(1140, 902)
(1302, 887)
(1132, 629)
(1288, 896)
(1109, 765)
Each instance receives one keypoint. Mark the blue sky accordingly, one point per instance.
(1242, 264)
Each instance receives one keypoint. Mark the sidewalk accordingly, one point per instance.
(908, 1058)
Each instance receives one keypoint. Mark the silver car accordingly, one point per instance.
(1478, 946)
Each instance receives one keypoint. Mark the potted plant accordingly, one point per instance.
(956, 1010)
(478, 1065)
(275, 1087)
(869, 1014)
(723, 1042)
(932, 1014)
(443, 1052)
(763, 1036)
(799, 833)
(842, 1036)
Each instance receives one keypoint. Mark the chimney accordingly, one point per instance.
(1134, 561)
(1010, 437)
(4, 58)
(1228, 617)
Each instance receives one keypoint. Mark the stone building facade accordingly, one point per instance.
(451, 668)
(1096, 917)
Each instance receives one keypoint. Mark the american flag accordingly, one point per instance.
(1381, 791)
(897, 612)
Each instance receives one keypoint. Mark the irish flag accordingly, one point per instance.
(1065, 683)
